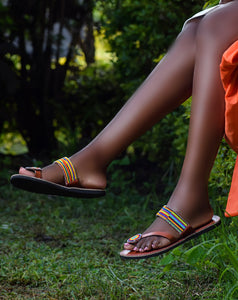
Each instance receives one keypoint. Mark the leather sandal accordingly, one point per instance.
(71, 188)
(186, 233)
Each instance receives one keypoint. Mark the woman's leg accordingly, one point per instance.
(215, 33)
(166, 88)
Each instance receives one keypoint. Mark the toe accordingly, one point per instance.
(148, 244)
(23, 171)
(145, 244)
(139, 246)
(156, 243)
(128, 246)
(162, 242)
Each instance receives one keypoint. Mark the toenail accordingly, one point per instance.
(146, 248)
(136, 249)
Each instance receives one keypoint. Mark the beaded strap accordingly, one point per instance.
(70, 174)
(172, 218)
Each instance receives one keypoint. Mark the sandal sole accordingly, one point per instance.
(41, 186)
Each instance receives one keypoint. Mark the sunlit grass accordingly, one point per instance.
(59, 248)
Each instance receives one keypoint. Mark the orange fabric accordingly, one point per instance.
(229, 77)
(232, 203)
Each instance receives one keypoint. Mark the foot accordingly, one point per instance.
(88, 174)
(194, 216)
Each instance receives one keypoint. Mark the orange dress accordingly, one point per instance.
(229, 77)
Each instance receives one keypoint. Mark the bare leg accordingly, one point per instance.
(154, 99)
(197, 51)
(190, 198)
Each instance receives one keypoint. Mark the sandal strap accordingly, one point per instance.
(173, 219)
(36, 171)
(70, 175)
(166, 235)
(136, 238)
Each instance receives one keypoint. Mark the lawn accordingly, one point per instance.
(64, 248)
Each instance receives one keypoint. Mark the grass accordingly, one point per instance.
(63, 248)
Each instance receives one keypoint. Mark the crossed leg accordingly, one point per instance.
(153, 100)
(192, 64)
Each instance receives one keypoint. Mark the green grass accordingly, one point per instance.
(63, 248)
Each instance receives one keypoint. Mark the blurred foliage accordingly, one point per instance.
(211, 3)
(36, 82)
(34, 35)
(92, 97)
(139, 32)
(12, 143)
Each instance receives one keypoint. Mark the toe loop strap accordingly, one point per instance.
(36, 171)
(136, 238)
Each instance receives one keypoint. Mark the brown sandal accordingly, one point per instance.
(71, 188)
(186, 233)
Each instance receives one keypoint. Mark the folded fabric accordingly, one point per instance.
(229, 77)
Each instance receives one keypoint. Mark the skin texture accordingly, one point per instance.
(192, 64)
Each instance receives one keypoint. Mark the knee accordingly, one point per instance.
(213, 33)
(209, 34)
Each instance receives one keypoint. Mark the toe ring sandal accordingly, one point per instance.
(186, 232)
(71, 188)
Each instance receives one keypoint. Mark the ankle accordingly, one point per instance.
(93, 181)
(193, 205)
(90, 173)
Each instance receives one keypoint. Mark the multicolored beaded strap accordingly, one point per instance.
(172, 218)
(70, 174)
